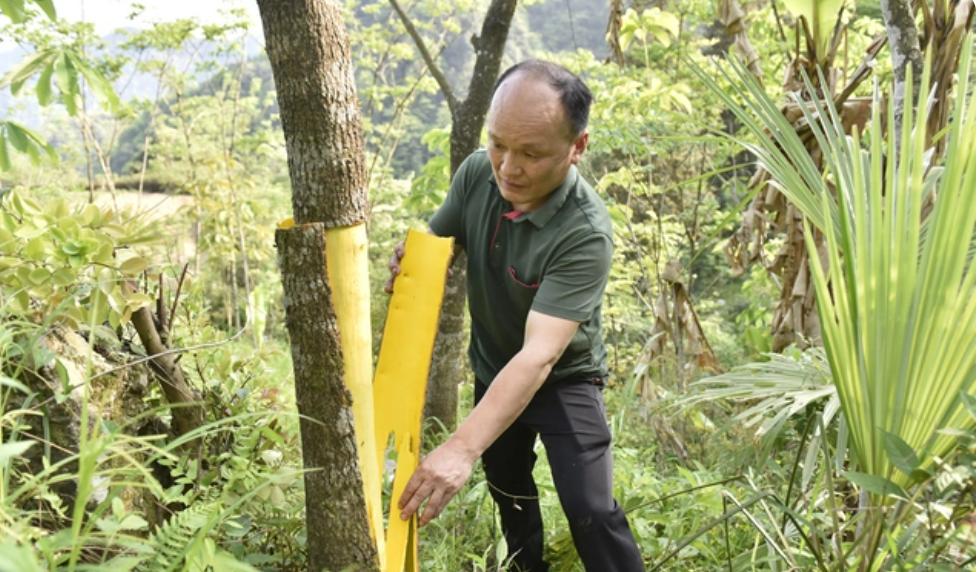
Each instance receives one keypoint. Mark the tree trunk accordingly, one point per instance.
(337, 523)
(467, 117)
(309, 54)
(900, 27)
(613, 32)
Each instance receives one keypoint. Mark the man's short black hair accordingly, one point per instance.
(574, 94)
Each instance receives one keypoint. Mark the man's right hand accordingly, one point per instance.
(394, 266)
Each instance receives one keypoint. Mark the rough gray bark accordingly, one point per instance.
(467, 117)
(309, 53)
(336, 520)
(900, 27)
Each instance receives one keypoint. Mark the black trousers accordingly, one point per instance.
(570, 420)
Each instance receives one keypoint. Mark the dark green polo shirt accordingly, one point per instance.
(553, 260)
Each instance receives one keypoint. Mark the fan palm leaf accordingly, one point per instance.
(896, 296)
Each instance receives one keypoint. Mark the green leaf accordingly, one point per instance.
(13, 383)
(4, 153)
(66, 78)
(38, 276)
(107, 525)
(223, 560)
(875, 484)
(36, 248)
(16, 137)
(133, 265)
(970, 402)
(14, 558)
(16, 77)
(133, 522)
(25, 141)
(14, 449)
(99, 84)
(71, 247)
(118, 507)
(44, 85)
(901, 455)
(48, 7)
(117, 564)
(13, 9)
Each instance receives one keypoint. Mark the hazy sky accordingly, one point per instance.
(108, 15)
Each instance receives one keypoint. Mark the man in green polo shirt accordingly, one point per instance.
(539, 245)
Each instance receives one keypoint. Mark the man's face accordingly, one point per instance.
(530, 143)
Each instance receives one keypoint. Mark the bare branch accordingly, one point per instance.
(432, 66)
(179, 288)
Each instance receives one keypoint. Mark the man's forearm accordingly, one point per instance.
(505, 399)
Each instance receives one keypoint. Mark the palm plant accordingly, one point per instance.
(895, 282)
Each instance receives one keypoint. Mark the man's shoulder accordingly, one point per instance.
(590, 208)
(476, 167)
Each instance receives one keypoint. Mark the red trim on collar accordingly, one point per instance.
(513, 215)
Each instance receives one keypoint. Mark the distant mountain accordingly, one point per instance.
(25, 109)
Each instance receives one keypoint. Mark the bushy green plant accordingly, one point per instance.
(70, 260)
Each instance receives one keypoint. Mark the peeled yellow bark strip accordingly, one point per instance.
(347, 268)
(401, 377)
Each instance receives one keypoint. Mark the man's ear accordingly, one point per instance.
(579, 146)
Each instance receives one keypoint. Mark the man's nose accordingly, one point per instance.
(510, 165)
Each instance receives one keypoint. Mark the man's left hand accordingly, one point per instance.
(439, 477)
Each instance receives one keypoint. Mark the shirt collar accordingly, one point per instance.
(545, 212)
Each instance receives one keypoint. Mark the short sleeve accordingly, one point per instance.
(573, 284)
(448, 220)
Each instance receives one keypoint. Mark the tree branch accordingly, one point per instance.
(189, 415)
(432, 66)
(489, 45)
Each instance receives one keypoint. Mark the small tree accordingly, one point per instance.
(310, 59)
